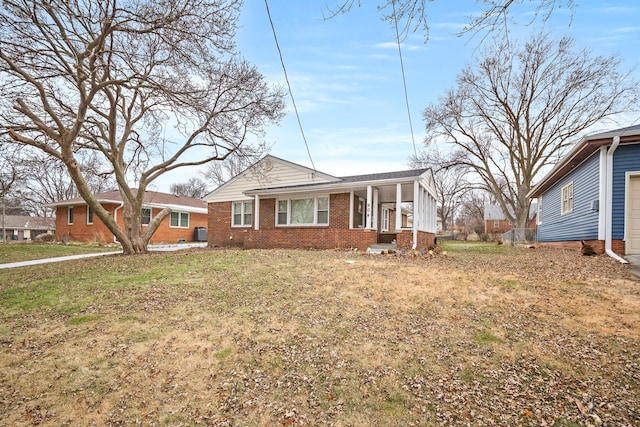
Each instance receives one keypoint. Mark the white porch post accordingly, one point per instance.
(375, 209)
(398, 207)
(416, 214)
(256, 220)
(369, 207)
(351, 210)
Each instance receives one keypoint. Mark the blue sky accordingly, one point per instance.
(346, 77)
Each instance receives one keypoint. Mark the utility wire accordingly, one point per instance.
(286, 77)
(404, 80)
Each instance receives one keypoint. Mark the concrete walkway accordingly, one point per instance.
(152, 248)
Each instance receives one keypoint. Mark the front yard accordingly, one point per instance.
(483, 335)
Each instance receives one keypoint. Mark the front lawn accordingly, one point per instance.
(228, 337)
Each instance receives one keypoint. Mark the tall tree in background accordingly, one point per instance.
(46, 180)
(449, 180)
(147, 85)
(194, 187)
(518, 110)
(494, 16)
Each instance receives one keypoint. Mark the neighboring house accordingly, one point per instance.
(593, 194)
(21, 227)
(496, 222)
(279, 204)
(76, 221)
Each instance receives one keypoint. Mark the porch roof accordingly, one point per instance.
(354, 182)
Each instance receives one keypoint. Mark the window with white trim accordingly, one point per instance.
(70, 215)
(241, 214)
(145, 216)
(539, 213)
(385, 219)
(496, 223)
(89, 215)
(306, 211)
(179, 219)
(567, 198)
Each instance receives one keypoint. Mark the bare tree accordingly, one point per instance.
(46, 179)
(518, 110)
(495, 17)
(220, 172)
(449, 180)
(194, 187)
(9, 175)
(148, 85)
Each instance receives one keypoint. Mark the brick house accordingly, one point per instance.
(279, 204)
(496, 222)
(76, 221)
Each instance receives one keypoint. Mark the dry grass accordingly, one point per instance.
(209, 337)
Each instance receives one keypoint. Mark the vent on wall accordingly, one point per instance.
(595, 205)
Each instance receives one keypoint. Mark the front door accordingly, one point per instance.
(632, 245)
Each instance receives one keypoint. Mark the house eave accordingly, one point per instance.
(583, 149)
(331, 186)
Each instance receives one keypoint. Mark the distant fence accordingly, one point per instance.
(520, 236)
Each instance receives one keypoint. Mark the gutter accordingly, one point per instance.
(608, 205)
(115, 218)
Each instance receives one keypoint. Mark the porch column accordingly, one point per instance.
(375, 209)
(398, 207)
(256, 210)
(369, 207)
(351, 210)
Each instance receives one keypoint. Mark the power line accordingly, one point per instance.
(286, 77)
(404, 80)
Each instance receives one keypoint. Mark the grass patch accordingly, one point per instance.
(485, 337)
(82, 319)
(473, 247)
(27, 251)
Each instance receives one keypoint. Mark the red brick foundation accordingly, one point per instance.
(598, 245)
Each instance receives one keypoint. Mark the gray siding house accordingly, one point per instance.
(593, 194)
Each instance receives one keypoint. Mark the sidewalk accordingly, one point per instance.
(152, 248)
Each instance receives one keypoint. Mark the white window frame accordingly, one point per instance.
(496, 223)
(246, 210)
(89, 215)
(180, 216)
(539, 212)
(70, 215)
(384, 225)
(150, 216)
(566, 199)
(316, 211)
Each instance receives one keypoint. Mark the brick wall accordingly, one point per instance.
(219, 232)
(598, 245)
(98, 232)
(404, 240)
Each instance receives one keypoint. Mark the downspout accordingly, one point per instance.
(115, 218)
(608, 205)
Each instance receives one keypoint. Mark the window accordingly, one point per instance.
(242, 214)
(567, 198)
(89, 215)
(179, 219)
(385, 219)
(539, 213)
(145, 216)
(309, 211)
(70, 215)
(496, 223)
